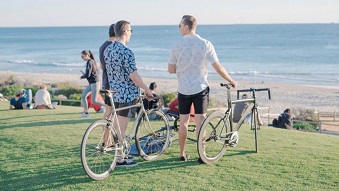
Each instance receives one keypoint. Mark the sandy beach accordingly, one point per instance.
(293, 96)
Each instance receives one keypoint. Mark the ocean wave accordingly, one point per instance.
(23, 61)
(69, 64)
(151, 68)
(332, 47)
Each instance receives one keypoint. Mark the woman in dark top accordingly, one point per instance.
(92, 76)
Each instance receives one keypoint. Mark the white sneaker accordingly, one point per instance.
(170, 118)
(84, 115)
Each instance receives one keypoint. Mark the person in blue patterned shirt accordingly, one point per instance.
(123, 77)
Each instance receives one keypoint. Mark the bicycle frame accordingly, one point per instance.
(113, 118)
(252, 107)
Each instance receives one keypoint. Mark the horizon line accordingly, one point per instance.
(172, 25)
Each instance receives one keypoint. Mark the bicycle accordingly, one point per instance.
(102, 144)
(217, 131)
(191, 127)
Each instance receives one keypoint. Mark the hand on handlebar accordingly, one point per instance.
(149, 95)
(234, 84)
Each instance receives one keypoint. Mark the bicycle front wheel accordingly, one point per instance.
(152, 135)
(98, 150)
(213, 136)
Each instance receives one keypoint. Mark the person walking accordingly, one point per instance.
(105, 84)
(92, 76)
(124, 78)
(188, 59)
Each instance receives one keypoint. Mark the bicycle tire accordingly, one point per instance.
(152, 137)
(98, 150)
(213, 128)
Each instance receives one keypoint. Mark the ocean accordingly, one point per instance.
(287, 53)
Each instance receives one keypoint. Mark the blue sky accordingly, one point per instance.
(164, 12)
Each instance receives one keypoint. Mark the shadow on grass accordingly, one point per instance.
(43, 115)
(53, 171)
(239, 152)
(56, 172)
(50, 123)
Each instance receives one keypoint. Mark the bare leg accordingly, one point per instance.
(183, 130)
(123, 122)
(199, 118)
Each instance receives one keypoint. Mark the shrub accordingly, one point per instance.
(9, 91)
(67, 91)
(304, 126)
(304, 114)
(168, 97)
(60, 97)
(75, 97)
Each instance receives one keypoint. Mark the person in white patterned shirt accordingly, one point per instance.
(188, 59)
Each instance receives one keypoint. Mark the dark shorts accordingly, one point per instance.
(126, 112)
(199, 100)
(107, 101)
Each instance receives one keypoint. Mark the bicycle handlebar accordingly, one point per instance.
(228, 86)
(255, 90)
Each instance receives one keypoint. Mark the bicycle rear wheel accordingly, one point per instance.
(153, 135)
(213, 137)
(98, 150)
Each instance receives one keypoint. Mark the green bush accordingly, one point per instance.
(68, 91)
(9, 91)
(304, 126)
(168, 97)
(75, 97)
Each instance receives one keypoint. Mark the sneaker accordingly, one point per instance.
(84, 115)
(127, 163)
(199, 161)
(129, 157)
(185, 158)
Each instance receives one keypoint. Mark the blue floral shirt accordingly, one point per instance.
(120, 63)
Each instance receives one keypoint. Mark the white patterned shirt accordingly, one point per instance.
(191, 55)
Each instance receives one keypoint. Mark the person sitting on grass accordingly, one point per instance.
(284, 120)
(42, 99)
(19, 101)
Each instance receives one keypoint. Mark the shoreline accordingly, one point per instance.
(294, 96)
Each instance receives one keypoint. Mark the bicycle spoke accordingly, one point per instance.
(153, 135)
(97, 160)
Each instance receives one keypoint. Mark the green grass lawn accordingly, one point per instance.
(40, 150)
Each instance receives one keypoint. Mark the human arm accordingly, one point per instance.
(49, 101)
(172, 68)
(224, 74)
(89, 66)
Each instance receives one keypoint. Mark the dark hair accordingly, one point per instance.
(287, 111)
(111, 31)
(190, 21)
(88, 52)
(120, 27)
(152, 86)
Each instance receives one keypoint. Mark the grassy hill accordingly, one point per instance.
(40, 150)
